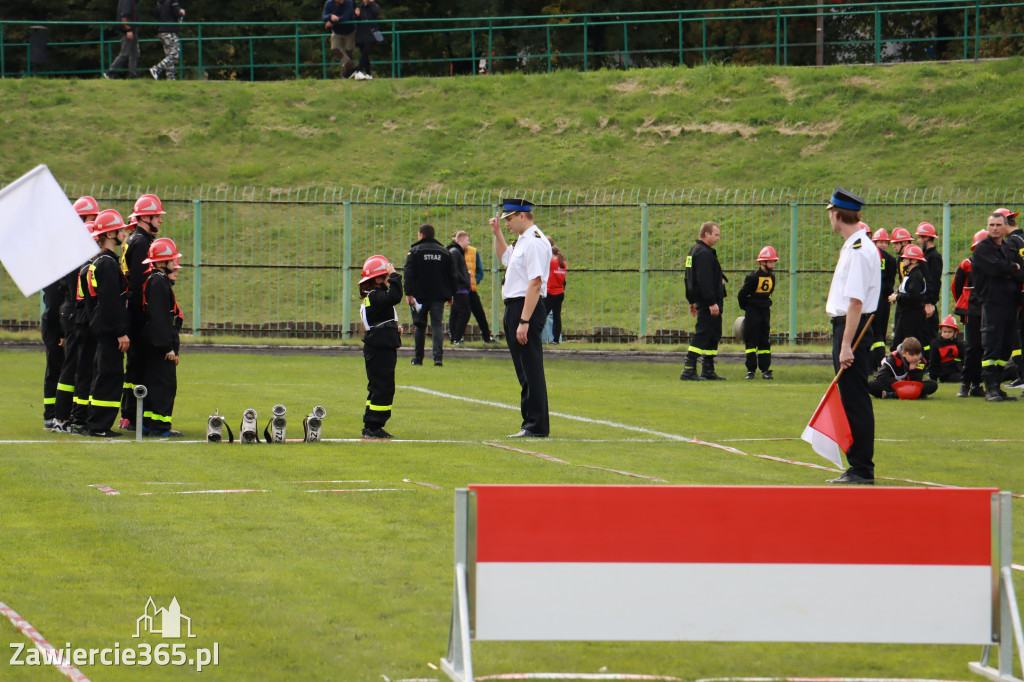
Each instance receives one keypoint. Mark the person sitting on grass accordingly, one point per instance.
(903, 364)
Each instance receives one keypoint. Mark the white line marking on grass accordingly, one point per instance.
(429, 485)
(50, 654)
(363, 490)
(579, 676)
(359, 481)
(585, 466)
(206, 492)
(105, 489)
(1017, 567)
(820, 679)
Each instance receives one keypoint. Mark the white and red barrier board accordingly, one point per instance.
(682, 563)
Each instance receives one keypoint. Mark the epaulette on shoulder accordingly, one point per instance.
(857, 244)
(537, 235)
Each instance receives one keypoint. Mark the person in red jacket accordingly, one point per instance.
(968, 307)
(556, 293)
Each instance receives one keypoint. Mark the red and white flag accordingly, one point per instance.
(731, 563)
(828, 432)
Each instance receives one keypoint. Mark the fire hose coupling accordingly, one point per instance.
(215, 427)
(312, 425)
(276, 426)
(247, 432)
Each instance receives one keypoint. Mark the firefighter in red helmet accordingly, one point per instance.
(968, 307)
(926, 236)
(381, 290)
(890, 269)
(755, 298)
(910, 297)
(159, 343)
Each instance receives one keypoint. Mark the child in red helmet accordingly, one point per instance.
(159, 340)
(755, 298)
(906, 363)
(380, 289)
(909, 297)
(947, 354)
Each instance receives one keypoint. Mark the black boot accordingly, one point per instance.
(965, 390)
(992, 392)
(689, 369)
(977, 391)
(707, 372)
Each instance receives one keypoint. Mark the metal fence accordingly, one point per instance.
(286, 263)
(867, 32)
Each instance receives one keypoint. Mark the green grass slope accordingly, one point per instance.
(931, 125)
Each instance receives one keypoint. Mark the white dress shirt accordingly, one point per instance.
(858, 275)
(528, 259)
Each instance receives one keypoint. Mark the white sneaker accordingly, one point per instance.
(154, 73)
(368, 77)
(359, 76)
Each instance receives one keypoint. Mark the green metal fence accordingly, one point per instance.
(849, 33)
(287, 263)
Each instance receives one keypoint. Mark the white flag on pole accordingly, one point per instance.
(42, 238)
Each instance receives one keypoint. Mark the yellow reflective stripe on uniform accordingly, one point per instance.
(105, 403)
(78, 401)
(92, 274)
(694, 349)
(987, 363)
(999, 363)
(127, 385)
(52, 401)
(878, 344)
(377, 408)
(710, 352)
(751, 350)
(65, 387)
(925, 349)
(763, 352)
(366, 302)
(159, 417)
(1015, 353)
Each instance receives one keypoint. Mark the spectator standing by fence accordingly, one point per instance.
(128, 16)
(367, 35)
(475, 265)
(169, 12)
(338, 17)
(458, 317)
(556, 293)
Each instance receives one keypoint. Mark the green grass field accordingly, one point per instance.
(357, 585)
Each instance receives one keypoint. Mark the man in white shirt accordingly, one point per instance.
(852, 298)
(527, 265)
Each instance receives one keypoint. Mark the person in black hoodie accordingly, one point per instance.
(366, 30)
(459, 315)
(108, 324)
(169, 13)
(381, 289)
(160, 338)
(429, 284)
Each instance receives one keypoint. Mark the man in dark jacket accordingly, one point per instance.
(1015, 242)
(968, 307)
(997, 280)
(128, 16)
(458, 318)
(705, 292)
(169, 12)
(429, 284)
(338, 17)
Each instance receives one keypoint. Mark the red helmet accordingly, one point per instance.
(375, 266)
(1006, 213)
(90, 225)
(880, 235)
(86, 206)
(949, 321)
(148, 204)
(913, 252)
(163, 249)
(908, 390)
(900, 235)
(108, 220)
(979, 237)
(926, 230)
(767, 254)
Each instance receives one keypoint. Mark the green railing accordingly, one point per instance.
(789, 35)
(287, 263)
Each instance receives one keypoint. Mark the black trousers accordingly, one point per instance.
(161, 382)
(880, 329)
(972, 349)
(365, 53)
(477, 308)
(83, 375)
(380, 384)
(66, 381)
(930, 330)
(54, 360)
(458, 316)
(107, 383)
(134, 371)
(528, 360)
(553, 303)
(706, 333)
(757, 325)
(1018, 347)
(909, 322)
(419, 321)
(998, 329)
(853, 390)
